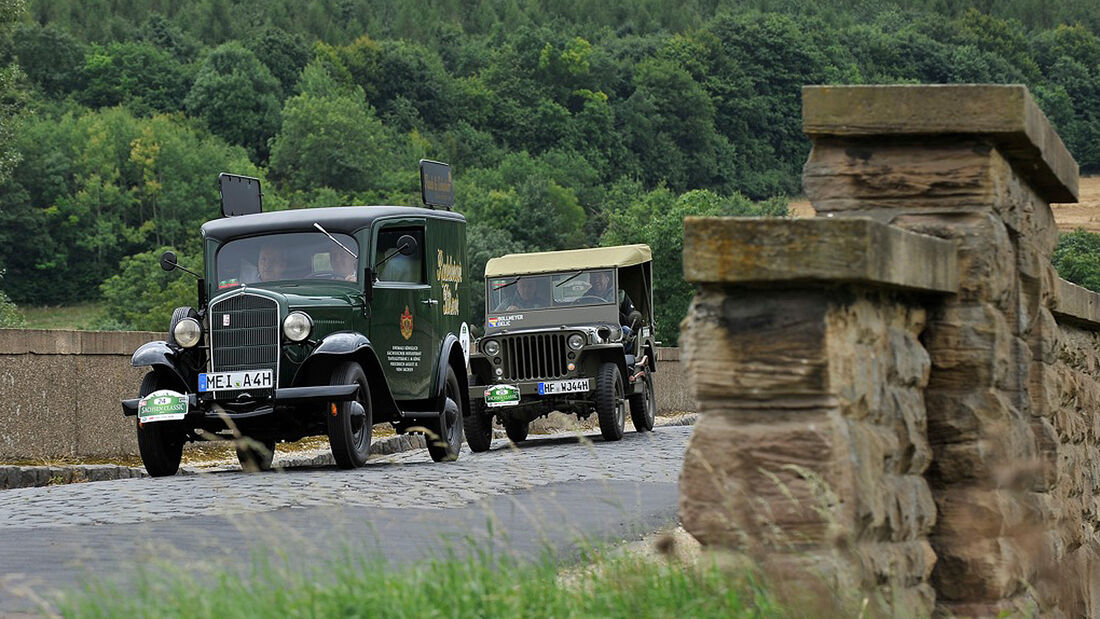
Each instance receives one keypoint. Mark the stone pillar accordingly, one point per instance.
(978, 165)
(802, 348)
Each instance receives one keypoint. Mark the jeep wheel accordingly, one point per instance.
(350, 423)
(446, 446)
(160, 442)
(478, 426)
(516, 430)
(610, 406)
(643, 406)
(254, 455)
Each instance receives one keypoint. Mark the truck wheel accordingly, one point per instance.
(254, 455)
(350, 423)
(610, 407)
(160, 442)
(446, 446)
(478, 426)
(516, 430)
(643, 406)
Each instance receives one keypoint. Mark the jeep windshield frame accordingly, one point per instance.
(286, 258)
(551, 299)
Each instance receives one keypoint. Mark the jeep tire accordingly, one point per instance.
(478, 426)
(160, 442)
(610, 406)
(516, 430)
(349, 423)
(446, 446)
(643, 406)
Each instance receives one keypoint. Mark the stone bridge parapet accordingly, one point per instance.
(901, 396)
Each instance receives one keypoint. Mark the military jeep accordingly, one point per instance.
(322, 321)
(568, 331)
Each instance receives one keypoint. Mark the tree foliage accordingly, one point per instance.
(568, 124)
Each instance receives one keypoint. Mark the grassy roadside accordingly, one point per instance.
(79, 317)
(608, 585)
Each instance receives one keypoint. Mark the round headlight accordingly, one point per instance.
(296, 326)
(576, 341)
(187, 332)
(491, 348)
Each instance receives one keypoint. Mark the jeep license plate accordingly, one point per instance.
(564, 386)
(236, 381)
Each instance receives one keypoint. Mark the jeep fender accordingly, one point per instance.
(451, 354)
(610, 352)
(345, 346)
(161, 358)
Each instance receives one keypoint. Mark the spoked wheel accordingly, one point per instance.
(610, 406)
(446, 446)
(516, 430)
(643, 406)
(160, 442)
(350, 423)
(254, 455)
(478, 426)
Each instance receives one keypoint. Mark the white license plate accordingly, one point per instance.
(564, 386)
(236, 381)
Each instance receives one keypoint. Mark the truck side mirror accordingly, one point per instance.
(168, 261)
(406, 244)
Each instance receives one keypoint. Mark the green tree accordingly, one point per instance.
(330, 137)
(237, 97)
(283, 53)
(11, 95)
(136, 74)
(142, 295)
(1077, 258)
(50, 56)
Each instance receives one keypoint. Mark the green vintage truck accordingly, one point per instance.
(321, 321)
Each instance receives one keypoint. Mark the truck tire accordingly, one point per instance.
(255, 456)
(643, 406)
(478, 426)
(350, 423)
(516, 430)
(160, 443)
(610, 406)
(448, 444)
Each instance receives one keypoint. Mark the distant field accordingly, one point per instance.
(80, 316)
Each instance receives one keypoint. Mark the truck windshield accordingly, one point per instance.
(533, 292)
(286, 257)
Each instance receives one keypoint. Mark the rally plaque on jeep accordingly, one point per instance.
(321, 321)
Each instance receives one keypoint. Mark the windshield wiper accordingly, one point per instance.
(333, 239)
(568, 279)
(508, 284)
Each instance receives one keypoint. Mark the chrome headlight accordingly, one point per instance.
(576, 341)
(187, 332)
(297, 325)
(491, 348)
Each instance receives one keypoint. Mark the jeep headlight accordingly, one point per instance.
(187, 332)
(297, 325)
(576, 341)
(491, 348)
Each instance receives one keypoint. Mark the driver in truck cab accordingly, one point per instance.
(271, 265)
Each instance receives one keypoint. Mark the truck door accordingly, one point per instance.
(403, 325)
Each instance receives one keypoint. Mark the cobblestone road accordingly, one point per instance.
(557, 485)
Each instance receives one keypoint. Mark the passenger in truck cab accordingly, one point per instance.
(271, 265)
(343, 265)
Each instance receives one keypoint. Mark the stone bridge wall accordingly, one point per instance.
(921, 418)
(60, 392)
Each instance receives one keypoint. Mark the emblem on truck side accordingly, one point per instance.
(407, 324)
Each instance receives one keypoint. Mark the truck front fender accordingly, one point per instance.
(160, 356)
(350, 346)
(451, 354)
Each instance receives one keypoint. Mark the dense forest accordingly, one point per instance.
(568, 123)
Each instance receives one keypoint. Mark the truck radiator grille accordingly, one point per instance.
(536, 356)
(251, 339)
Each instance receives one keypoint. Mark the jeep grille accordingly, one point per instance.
(251, 341)
(535, 356)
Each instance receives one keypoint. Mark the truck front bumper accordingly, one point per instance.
(284, 396)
